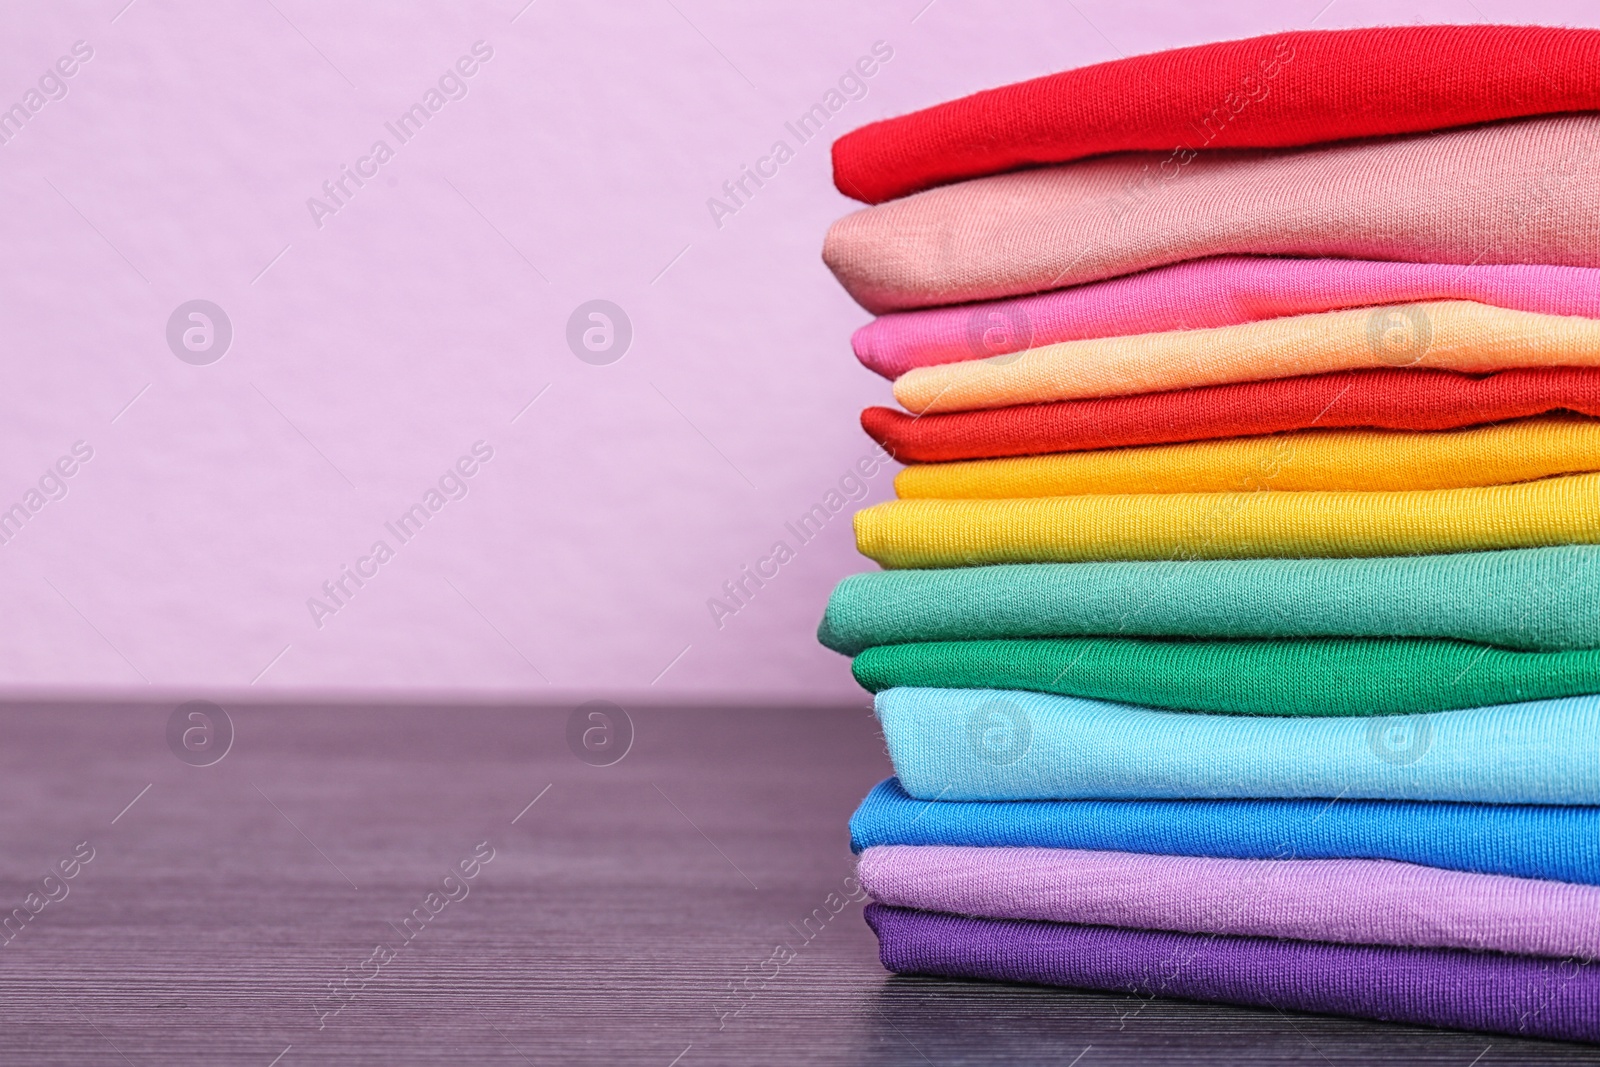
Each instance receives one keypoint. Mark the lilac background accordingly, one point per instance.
(432, 307)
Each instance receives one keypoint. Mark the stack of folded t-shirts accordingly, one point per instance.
(1240, 626)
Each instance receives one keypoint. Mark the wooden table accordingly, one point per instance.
(628, 916)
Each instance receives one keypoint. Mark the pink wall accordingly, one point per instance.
(373, 346)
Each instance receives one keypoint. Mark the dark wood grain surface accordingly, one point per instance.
(630, 916)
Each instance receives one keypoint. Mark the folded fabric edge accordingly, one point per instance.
(1451, 988)
(958, 140)
(1437, 666)
(1336, 901)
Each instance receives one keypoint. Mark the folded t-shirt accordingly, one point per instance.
(1363, 902)
(1209, 293)
(1283, 89)
(1153, 526)
(1391, 399)
(1531, 199)
(1449, 335)
(1526, 996)
(1365, 460)
(993, 745)
(1287, 676)
(1525, 840)
(1535, 598)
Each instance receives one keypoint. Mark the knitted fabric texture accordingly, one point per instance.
(1519, 995)
(1067, 529)
(1364, 902)
(1208, 293)
(1537, 598)
(1285, 89)
(1393, 399)
(1286, 677)
(1450, 335)
(1401, 199)
(1526, 841)
(1369, 460)
(978, 744)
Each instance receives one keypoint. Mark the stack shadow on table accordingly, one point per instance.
(1239, 637)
